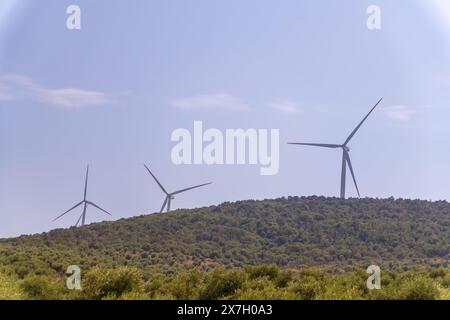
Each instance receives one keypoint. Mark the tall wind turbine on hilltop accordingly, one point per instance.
(85, 202)
(171, 196)
(345, 153)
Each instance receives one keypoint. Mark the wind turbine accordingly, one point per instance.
(83, 202)
(171, 196)
(345, 153)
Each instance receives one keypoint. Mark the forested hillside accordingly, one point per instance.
(294, 232)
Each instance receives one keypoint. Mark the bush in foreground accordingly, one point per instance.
(257, 282)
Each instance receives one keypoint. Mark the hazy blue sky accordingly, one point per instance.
(109, 95)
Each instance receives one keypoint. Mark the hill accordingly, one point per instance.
(295, 232)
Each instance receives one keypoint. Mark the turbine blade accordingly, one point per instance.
(347, 157)
(159, 184)
(78, 221)
(324, 145)
(360, 124)
(68, 210)
(86, 182)
(190, 188)
(93, 204)
(164, 204)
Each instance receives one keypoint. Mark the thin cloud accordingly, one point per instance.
(16, 87)
(218, 101)
(401, 113)
(285, 107)
(5, 95)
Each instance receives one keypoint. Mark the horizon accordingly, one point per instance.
(113, 93)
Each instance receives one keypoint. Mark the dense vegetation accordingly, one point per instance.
(10, 286)
(258, 282)
(296, 233)
(224, 252)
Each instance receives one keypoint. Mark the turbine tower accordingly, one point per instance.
(171, 196)
(84, 202)
(345, 153)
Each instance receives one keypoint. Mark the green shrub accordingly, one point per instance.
(307, 288)
(271, 271)
(186, 285)
(102, 283)
(38, 287)
(446, 281)
(262, 289)
(439, 273)
(9, 286)
(221, 284)
(418, 287)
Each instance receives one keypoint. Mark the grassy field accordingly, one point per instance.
(10, 287)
